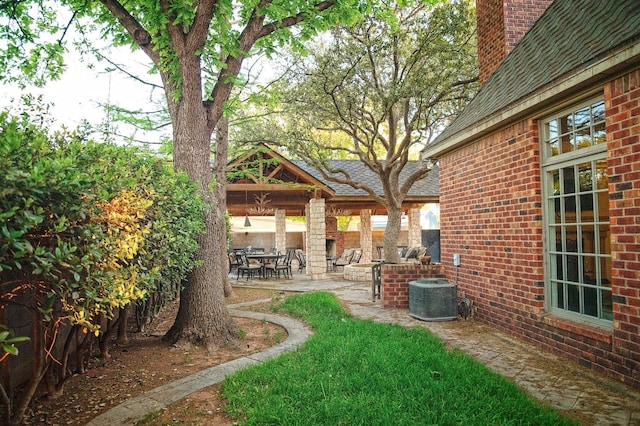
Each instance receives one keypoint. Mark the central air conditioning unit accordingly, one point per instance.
(433, 299)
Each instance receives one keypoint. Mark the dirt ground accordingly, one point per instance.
(146, 362)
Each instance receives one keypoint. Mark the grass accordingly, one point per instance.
(356, 372)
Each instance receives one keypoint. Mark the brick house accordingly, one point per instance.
(540, 180)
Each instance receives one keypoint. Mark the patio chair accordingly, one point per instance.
(357, 255)
(248, 268)
(302, 260)
(234, 262)
(343, 260)
(376, 280)
(270, 267)
(284, 265)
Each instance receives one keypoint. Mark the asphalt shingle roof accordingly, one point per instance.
(424, 187)
(569, 36)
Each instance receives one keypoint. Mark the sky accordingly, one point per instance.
(81, 92)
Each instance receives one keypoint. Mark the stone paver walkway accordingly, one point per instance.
(563, 385)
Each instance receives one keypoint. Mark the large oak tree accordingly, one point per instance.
(198, 48)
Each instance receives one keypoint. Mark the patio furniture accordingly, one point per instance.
(248, 268)
(234, 261)
(284, 265)
(302, 260)
(357, 255)
(376, 280)
(343, 260)
(413, 255)
(263, 260)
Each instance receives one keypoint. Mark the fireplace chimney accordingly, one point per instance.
(501, 25)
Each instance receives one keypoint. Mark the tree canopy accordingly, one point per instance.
(198, 48)
(378, 92)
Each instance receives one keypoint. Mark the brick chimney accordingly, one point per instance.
(501, 25)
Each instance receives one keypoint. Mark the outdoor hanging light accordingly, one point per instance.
(247, 222)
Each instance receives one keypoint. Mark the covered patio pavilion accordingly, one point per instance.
(264, 183)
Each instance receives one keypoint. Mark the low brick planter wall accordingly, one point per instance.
(396, 278)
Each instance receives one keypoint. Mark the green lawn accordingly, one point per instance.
(356, 372)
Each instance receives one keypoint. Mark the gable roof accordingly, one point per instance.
(423, 187)
(276, 182)
(573, 44)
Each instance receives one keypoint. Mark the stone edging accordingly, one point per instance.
(133, 409)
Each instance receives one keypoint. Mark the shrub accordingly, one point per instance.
(86, 229)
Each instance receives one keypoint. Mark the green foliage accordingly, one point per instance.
(8, 341)
(98, 226)
(355, 372)
(378, 90)
(86, 229)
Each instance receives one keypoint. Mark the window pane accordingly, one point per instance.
(589, 266)
(570, 209)
(557, 295)
(572, 269)
(597, 112)
(588, 239)
(607, 307)
(602, 180)
(603, 206)
(603, 233)
(554, 178)
(568, 181)
(566, 144)
(599, 135)
(586, 208)
(591, 301)
(582, 138)
(573, 298)
(551, 130)
(582, 118)
(605, 272)
(559, 265)
(557, 231)
(585, 177)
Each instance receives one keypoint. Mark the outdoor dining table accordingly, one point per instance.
(263, 258)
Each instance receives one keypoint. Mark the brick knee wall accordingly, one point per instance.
(395, 282)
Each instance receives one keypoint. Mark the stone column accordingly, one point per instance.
(366, 238)
(316, 247)
(415, 232)
(281, 231)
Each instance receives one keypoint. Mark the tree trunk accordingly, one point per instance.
(203, 317)
(220, 195)
(392, 234)
(123, 319)
(38, 369)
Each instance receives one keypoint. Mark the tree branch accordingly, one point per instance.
(133, 27)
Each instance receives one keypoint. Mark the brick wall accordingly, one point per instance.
(501, 25)
(332, 233)
(394, 289)
(622, 103)
(491, 215)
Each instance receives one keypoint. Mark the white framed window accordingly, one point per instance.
(576, 213)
